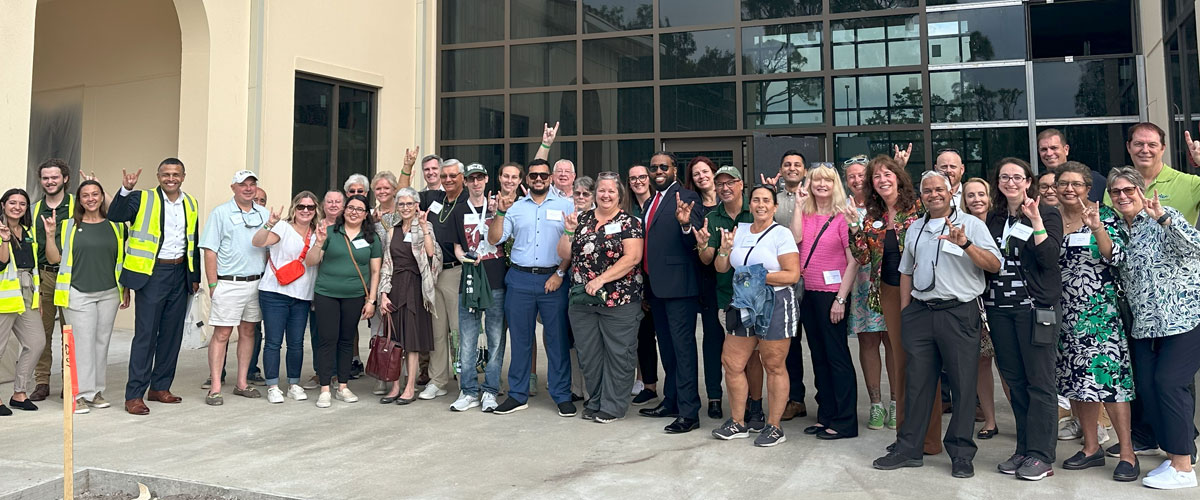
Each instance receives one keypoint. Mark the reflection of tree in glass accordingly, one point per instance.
(773, 55)
(1101, 90)
(680, 49)
(614, 15)
(861, 5)
(772, 9)
(981, 47)
(972, 101)
(808, 90)
(905, 107)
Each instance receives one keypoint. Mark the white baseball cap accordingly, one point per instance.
(242, 175)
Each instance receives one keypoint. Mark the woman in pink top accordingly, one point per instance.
(829, 269)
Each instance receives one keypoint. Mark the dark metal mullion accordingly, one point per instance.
(927, 89)
(656, 92)
(335, 106)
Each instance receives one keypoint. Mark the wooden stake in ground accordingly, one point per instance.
(70, 390)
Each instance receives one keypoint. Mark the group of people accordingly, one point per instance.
(1077, 286)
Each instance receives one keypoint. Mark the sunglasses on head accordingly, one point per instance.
(539, 175)
(857, 160)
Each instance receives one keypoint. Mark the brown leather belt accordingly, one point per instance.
(170, 261)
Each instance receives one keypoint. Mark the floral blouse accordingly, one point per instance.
(1161, 275)
(867, 245)
(597, 248)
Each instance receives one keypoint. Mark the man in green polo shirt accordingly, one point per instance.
(54, 174)
(1147, 143)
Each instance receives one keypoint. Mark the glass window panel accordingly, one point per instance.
(976, 35)
(1106, 87)
(694, 54)
(616, 156)
(837, 6)
(355, 108)
(618, 111)
(472, 69)
(693, 12)
(1096, 27)
(782, 103)
(529, 112)
(312, 136)
(610, 60)
(488, 155)
(524, 153)
(543, 64)
(784, 48)
(952, 2)
(771, 9)
(1098, 146)
(981, 148)
(876, 42)
(709, 106)
(601, 16)
(477, 117)
(466, 21)
(534, 18)
(877, 100)
(847, 146)
(982, 94)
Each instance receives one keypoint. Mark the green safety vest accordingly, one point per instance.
(37, 211)
(62, 285)
(146, 233)
(11, 300)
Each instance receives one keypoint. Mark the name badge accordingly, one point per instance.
(361, 244)
(877, 224)
(555, 215)
(435, 207)
(236, 219)
(833, 277)
(470, 219)
(1079, 240)
(951, 248)
(612, 228)
(1021, 232)
(407, 237)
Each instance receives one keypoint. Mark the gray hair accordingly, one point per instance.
(452, 162)
(565, 162)
(430, 157)
(934, 173)
(408, 193)
(359, 179)
(585, 182)
(1128, 173)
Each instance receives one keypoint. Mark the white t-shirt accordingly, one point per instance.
(749, 250)
(286, 250)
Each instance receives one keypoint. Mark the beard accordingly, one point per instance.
(670, 179)
(539, 191)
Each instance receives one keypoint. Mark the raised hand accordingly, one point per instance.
(322, 232)
(683, 211)
(410, 158)
(770, 181)
(571, 221)
(1152, 205)
(275, 215)
(5, 232)
(505, 201)
(549, 133)
(90, 176)
(902, 156)
(1091, 216)
(851, 215)
(702, 235)
(51, 224)
(1193, 147)
(727, 240)
(956, 235)
(1030, 209)
(130, 180)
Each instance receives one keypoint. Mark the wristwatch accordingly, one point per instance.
(1165, 217)
(841, 300)
(966, 245)
(560, 273)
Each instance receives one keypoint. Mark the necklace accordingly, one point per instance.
(445, 214)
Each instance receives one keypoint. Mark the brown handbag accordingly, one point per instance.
(386, 355)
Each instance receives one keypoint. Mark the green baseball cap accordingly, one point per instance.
(730, 171)
(475, 168)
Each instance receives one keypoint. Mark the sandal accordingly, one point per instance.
(214, 399)
(988, 433)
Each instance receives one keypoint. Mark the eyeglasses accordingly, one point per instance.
(252, 219)
(355, 210)
(584, 194)
(727, 184)
(477, 178)
(539, 175)
(357, 191)
(1128, 192)
(305, 208)
(639, 178)
(449, 176)
(857, 160)
(406, 204)
(1012, 178)
(661, 167)
(1072, 185)
(608, 174)
(1045, 187)
(1140, 145)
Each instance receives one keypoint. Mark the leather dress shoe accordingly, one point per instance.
(813, 429)
(714, 409)
(830, 436)
(163, 397)
(137, 407)
(682, 425)
(659, 411)
(40, 393)
(794, 409)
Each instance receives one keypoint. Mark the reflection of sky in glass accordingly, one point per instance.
(692, 12)
(799, 44)
(996, 38)
(1061, 88)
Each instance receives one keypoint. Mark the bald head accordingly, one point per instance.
(951, 164)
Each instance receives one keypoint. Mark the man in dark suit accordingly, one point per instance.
(162, 265)
(670, 262)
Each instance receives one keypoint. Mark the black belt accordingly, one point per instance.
(451, 265)
(50, 268)
(941, 305)
(240, 278)
(536, 270)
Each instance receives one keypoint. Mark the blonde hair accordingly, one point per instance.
(826, 173)
(987, 188)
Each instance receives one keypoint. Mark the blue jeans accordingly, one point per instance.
(283, 315)
(491, 322)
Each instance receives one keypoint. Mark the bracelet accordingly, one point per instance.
(1039, 232)
(212, 285)
(722, 254)
(267, 226)
(405, 173)
(500, 213)
(544, 145)
(568, 233)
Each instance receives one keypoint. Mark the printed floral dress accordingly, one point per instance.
(862, 318)
(1093, 353)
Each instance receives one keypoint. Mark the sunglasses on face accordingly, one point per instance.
(662, 167)
(356, 191)
(305, 208)
(539, 176)
(1128, 192)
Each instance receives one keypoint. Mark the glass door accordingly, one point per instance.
(726, 151)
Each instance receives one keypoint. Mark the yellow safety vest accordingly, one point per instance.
(62, 285)
(11, 300)
(146, 233)
(37, 211)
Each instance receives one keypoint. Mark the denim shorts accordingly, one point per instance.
(784, 318)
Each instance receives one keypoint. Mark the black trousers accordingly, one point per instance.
(675, 325)
(1029, 372)
(833, 369)
(1162, 370)
(337, 321)
(936, 340)
(1142, 429)
(795, 364)
(647, 350)
(160, 308)
(714, 340)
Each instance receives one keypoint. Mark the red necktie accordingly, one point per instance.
(649, 218)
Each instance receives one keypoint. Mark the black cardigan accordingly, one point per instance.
(1039, 263)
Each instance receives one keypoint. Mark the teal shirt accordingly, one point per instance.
(718, 219)
(336, 276)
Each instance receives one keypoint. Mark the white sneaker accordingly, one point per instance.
(297, 393)
(380, 388)
(1161, 467)
(637, 388)
(464, 402)
(1071, 430)
(489, 403)
(1101, 434)
(1170, 479)
(274, 395)
(431, 391)
(346, 395)
(81, 407)
(325, 400)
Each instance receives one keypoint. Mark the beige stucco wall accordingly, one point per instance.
(1150, 29)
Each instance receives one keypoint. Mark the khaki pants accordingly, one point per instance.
(445, 320)
(49, 313)
(25, 327)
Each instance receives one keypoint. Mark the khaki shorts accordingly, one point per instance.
(234, 302)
